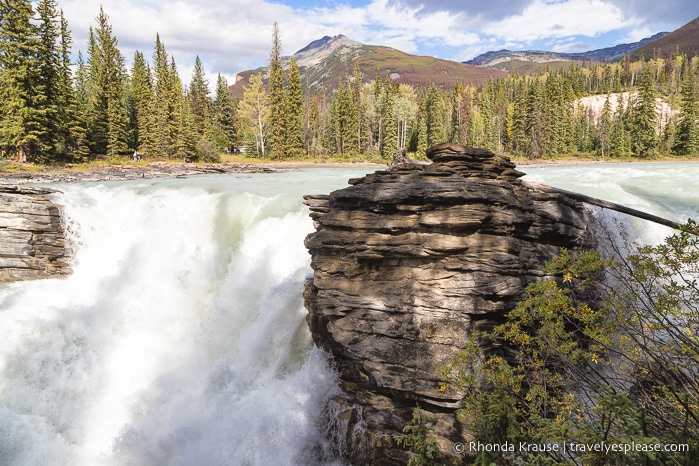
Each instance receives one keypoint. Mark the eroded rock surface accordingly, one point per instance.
(408, 261)
(32, 240)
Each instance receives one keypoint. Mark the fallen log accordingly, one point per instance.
(602, 203)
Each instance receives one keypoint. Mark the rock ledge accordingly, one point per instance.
(32, 240)
(407, 261)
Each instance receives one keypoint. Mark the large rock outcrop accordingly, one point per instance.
(408, 261)
(32, 240)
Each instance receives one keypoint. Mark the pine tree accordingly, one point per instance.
(276, 98)
(142, 89)
(183, 124)
(344, 120)
(224, 115)
(434, 116)
(107, 84)
(620, 143)
(77, 114)
(199, 99)
(535, 127)
(645, 119)
(604, 132)
(21, 93)
(422, 146)
(168, 107)
(687, 137)
(293, 115)
(390, 138)
(519, 128)
(162, 111)
(66, 95)
(52, 80)
(455, 122)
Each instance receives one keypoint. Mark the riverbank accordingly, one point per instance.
(98, 171)
(19, 174)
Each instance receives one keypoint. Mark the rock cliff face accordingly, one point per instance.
(32, 241)
(406, 263)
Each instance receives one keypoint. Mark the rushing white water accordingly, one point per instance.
(669, 190)
(180, 338)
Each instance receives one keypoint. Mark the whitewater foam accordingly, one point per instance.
(181, 339)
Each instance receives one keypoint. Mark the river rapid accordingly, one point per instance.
(180, 338)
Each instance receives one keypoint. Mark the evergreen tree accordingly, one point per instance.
(344, 121)
(687, 137)
(535, 129)
(620, 143)
(77, 114)
(555, 118)
(66, 96)
(183, 127)
(142, 89)
(52, 80)
(96, 109)
(276, 98)
(199, 100)
(604, 132)
(390, 138)
(645, 119)
(107, 84)
(584, 130)
(422, 146)
(166, 123)
(293, 114)
(455, 122)
(21, 93)
(519, 128)
(224, 115)
(434, 116)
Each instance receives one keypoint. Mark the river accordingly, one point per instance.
(180, 338)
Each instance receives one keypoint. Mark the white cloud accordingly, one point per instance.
(545, 19)
(637, 34)
(228, 36)
(236, 35)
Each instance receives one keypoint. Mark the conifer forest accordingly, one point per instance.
(59, 106)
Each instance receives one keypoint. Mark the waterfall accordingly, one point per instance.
(181, 338)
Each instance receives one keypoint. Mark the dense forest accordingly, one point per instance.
(53, 109)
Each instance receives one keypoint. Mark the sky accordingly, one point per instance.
(231, 36)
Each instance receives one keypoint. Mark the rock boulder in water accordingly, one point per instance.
(408, 261)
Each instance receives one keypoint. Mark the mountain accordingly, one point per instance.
(323, 62)
(508, 60)
(685, 40)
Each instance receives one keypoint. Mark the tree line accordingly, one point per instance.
(52, 109)
(535, 115)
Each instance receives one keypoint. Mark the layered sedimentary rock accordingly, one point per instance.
(32, 240)
(407, 262)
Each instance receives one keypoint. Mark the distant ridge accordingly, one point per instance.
(325, 61)
(503, 59)
(684, 40)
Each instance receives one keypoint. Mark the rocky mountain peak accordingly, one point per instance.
(318, 50)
